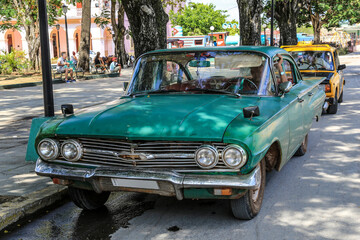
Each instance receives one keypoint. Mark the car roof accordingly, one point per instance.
(308, 47)
(270, 51)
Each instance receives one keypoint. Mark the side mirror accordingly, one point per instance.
(126, 84)
(285, 87)
(250, 112)
(67, 109)
(341, 67)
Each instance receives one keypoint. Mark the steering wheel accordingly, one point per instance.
(314, 65)
(241, 80)
(216, 82)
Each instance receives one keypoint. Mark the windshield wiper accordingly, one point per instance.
(153, 92)
(212, 91)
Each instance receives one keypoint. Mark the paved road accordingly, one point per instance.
(316, 196)
(20, 105)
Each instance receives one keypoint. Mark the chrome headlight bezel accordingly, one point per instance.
(212, 150)
(78, 147)
(56, 146)
(241, 151)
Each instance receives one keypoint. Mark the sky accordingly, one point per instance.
(229, 5)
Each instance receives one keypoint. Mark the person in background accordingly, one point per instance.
(99, 63)
(115, 66)
(63, 67)
(214, 43)
(74, 59)
(278, 65)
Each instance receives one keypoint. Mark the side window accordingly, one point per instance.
(288, 73)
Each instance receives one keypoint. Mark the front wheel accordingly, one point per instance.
(341, 97)
(248, 206)
(86, 199)
(333, 107)
(303, 147)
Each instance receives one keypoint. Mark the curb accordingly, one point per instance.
(56, 81)
(20, 207)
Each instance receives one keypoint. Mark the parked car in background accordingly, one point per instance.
(196, 123)
(321, 60)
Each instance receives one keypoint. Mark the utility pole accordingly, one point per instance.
(272, 24)
(45, 60)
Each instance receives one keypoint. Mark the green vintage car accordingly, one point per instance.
(196, 123)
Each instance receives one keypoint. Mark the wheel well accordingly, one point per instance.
(273, 157)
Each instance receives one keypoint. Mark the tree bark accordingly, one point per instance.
(119, 31)
(85, 35)
(250, 21)
(286, 12)
(147, 23)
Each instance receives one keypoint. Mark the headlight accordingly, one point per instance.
(71, 150)
(48, 149)
(234, 156)
(206, 157)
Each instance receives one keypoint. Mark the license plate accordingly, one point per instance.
(144, 184)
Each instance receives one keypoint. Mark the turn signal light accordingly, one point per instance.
(61, 181)
(223, 192)
(327, 88)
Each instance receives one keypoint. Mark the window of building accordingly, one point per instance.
(199, 42)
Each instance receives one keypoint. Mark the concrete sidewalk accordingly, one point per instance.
(22, 192)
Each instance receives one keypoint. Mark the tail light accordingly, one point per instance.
(327, 88)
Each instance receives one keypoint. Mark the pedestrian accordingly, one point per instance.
(74, 59)
(64, 67)
(115, 66)
(98, 62)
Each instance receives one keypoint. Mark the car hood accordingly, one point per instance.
(157, 117)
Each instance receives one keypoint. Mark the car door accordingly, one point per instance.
(340, 72)
(295, 105)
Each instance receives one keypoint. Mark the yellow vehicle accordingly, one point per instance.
(321, 60)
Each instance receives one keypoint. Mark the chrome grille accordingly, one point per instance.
(158, 154)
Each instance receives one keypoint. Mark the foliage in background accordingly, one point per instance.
(197, 18)
(25, 15)
(328, 14)
(233, 31)
(13, 62)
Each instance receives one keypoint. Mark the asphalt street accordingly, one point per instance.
(316, 196)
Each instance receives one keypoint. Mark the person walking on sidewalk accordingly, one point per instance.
(63, 67)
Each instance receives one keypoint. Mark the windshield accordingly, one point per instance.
(314, 60)
(210, 72)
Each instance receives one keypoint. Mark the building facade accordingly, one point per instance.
(101, 39)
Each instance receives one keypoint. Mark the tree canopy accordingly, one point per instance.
(197, 18)
(25, 15)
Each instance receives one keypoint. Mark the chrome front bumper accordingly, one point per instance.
(170, 183)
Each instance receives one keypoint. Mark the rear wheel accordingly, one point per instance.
(248, 206)
(87, 199)
(303, 147)
(333, 107)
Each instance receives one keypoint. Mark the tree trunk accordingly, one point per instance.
(33, 41)
(147, 23)
(250, 21)
(119, 31)
(286, 15)
(85, 35)
(316, 23)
